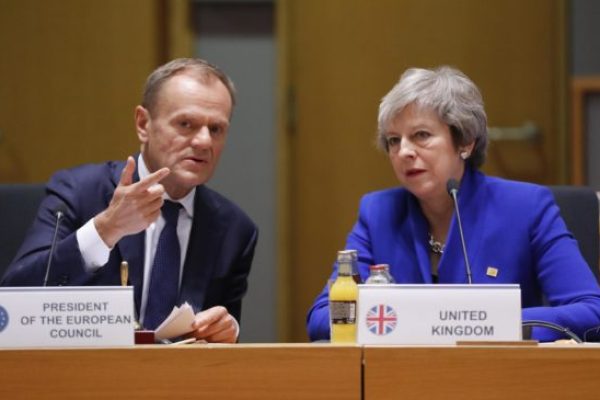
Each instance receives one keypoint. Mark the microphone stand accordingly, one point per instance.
(59, 215)
(453, 190)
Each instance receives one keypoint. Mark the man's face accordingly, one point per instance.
(186, 131)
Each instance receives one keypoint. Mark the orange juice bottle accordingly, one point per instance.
(343, 295)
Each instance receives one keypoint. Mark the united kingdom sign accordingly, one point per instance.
(381, 319)
(3, 318)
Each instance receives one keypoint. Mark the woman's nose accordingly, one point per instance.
(406, 149)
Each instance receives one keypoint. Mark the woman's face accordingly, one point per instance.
(422, 152)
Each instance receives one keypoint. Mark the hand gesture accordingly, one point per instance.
(133, 207)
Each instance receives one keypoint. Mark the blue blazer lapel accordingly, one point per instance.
(419, 235)
(203, 249)
(471, 201)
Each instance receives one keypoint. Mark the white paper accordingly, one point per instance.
(178, 323)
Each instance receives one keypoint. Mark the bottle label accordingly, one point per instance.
(343, 312)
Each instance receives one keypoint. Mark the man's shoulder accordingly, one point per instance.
(94, 171)
(86, 182)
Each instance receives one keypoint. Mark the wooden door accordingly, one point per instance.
(71, 73)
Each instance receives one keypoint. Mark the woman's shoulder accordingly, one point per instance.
(511, 191)
(385, 200)
(386, 195)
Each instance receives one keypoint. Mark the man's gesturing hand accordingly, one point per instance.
(133, 207)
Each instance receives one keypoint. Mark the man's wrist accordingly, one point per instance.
(105, 230)
(94, 251)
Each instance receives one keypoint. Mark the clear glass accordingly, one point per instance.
(380, 274)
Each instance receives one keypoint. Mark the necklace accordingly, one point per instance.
(435, 246)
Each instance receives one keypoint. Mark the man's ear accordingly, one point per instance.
(142, 122)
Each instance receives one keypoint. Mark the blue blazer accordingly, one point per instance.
(512, 226)
(218, 259)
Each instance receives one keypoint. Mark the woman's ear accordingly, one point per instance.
(466, 151)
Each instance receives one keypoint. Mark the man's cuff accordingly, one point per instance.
(94, 251)
(237, 329)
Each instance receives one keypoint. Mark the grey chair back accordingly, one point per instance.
(579, 208)
(19, 204)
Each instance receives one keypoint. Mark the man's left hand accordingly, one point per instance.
(215, 325)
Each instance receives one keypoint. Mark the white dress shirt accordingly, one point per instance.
(95, 252)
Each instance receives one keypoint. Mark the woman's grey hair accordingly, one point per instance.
(204, 70)
(451, 94)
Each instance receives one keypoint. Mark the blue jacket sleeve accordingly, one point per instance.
(566, 280)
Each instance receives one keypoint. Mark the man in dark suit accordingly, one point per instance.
(117, 211)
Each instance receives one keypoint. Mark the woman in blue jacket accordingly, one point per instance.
(433, 126)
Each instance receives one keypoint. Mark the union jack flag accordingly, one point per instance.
(381, 319)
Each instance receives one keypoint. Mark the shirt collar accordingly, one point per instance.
(187, 201)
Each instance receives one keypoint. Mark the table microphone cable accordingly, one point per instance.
(553, 326)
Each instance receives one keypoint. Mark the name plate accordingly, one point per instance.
(66, 316)
(438, 314)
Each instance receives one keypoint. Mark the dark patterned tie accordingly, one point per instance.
(164, 281)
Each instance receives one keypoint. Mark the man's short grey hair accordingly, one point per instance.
(203, 69)
(451, 94)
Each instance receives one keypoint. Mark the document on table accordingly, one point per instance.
(178, 323)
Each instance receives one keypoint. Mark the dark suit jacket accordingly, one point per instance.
(218, 258)
(512, 226)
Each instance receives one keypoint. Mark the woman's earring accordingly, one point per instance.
(464, 155)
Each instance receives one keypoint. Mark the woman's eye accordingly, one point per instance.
(185, 124)
(422, 135)
(393, 141)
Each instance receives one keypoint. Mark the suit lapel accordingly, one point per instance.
(410, 253)
(202, 252)
(418, 233)
(471, 202)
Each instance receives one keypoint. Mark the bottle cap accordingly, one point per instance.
(347, 256)
(379, 267)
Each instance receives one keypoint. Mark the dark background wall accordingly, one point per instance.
(585, 62)
(585, 37)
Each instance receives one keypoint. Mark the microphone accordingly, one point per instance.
(452, 187)
(60, 213)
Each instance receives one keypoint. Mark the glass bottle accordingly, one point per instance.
(343, 295)
(379, 274)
